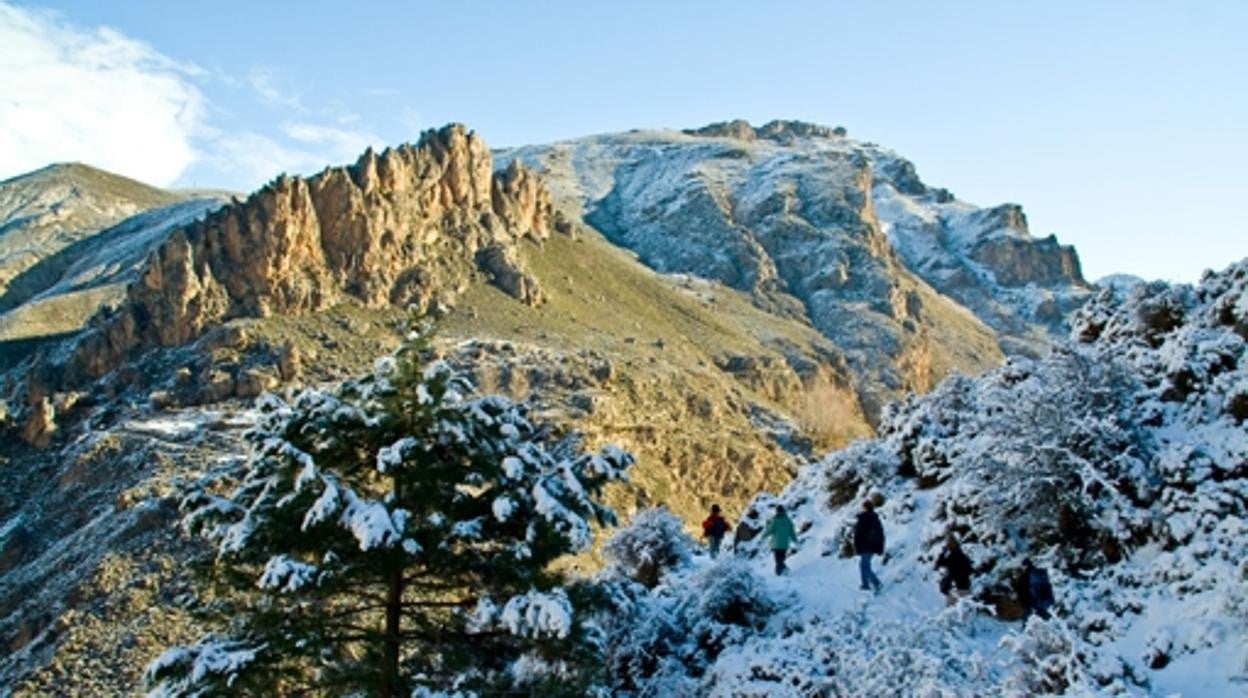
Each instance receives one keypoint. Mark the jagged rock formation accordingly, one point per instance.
(401, 227)
(779, 130)
(1016, 259)
(986, 259)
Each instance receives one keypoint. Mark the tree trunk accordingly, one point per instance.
(394, 614)
(394, 607)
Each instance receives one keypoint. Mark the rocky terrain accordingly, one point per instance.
(776, 312)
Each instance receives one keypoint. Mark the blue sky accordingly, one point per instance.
(1118, 125)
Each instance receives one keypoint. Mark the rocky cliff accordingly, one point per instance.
(401, 227)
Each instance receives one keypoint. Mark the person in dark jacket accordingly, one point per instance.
(868, 541)
(782, 534)
(1035, 592)
(713, 529)
(744, 534)
(957, 567)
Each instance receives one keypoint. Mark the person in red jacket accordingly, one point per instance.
(714, 528)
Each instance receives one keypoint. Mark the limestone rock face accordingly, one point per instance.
(1018, 263)
(1017, 259)
(40, 424)
(404, 226)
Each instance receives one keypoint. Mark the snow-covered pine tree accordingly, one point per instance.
(392, 535)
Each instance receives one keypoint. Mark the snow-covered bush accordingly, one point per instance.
(654, 542)
(661, 641)
(1045, 659)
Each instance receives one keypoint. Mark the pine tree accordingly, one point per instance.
(393, 535)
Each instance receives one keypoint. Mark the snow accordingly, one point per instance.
(285, 574)
(170, 425)
(502, 508)
(389, 457)
(369, 521)
(325, 505)
(467, 529)
(538, 614)
(513, 467)
(207, 657)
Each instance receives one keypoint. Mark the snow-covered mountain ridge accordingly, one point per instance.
(1119, 462)
(802, 211)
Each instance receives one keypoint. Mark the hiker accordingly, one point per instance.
(780, 531)
(957, 568)
(1035, 593)
(744, 534)
(713, 529)
(868, 541)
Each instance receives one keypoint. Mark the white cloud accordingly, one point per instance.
(339, 144)
(97, 96)
(265, 82)
(251, 158)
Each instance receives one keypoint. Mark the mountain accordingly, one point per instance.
(1119, 462)
(43, 212)
(841, 231)
(773, 318)
(71, 237)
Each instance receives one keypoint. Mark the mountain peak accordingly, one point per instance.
(779, 130)
(86, 181)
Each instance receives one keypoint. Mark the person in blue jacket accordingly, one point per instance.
(782, 534)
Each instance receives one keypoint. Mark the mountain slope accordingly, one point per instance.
(47, 210)
(71, 238)
(62, 291)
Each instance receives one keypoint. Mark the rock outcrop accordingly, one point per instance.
(779, 130)
(401, 227)
(1015, 258)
